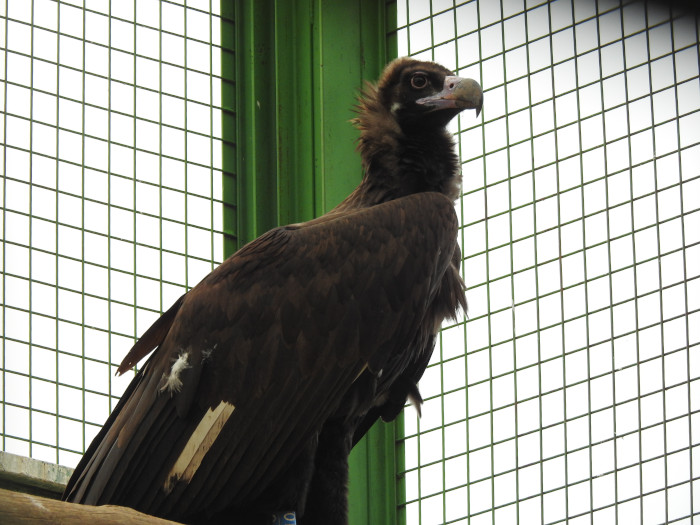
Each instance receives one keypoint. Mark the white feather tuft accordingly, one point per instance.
(173, 383)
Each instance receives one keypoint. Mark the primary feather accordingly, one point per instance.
(267, 372)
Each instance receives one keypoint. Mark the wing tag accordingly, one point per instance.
(198, 445)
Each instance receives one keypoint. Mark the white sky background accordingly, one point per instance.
(593, 330)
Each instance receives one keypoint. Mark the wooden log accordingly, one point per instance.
(17, 508)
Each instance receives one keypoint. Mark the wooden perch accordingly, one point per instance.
(17, 508)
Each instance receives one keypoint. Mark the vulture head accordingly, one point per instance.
(423, 94)
(402, 121)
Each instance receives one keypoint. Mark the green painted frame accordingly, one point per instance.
(292, 71)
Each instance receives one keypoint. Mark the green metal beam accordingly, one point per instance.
(290, 86)
(291, 74)
(350, 49)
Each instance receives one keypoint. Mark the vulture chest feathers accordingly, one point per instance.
(266, 373)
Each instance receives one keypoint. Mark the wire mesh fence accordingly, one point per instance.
(570, 392)
(111, 199)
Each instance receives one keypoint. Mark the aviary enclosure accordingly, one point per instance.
(570, 393)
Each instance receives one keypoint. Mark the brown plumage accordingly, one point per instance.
(268, 371)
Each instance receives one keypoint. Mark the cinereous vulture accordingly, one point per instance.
(265, 374)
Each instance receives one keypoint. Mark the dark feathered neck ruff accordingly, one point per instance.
(399, 162)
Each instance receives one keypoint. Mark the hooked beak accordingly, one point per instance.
(457, 93)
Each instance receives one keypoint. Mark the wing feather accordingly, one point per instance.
(151, 338)
(281, 331)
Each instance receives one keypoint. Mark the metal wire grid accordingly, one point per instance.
(111, 198)
(570, 392)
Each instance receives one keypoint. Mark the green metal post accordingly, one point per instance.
(229, 113)
(291, 77)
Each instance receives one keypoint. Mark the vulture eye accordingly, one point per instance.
(419, 81)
